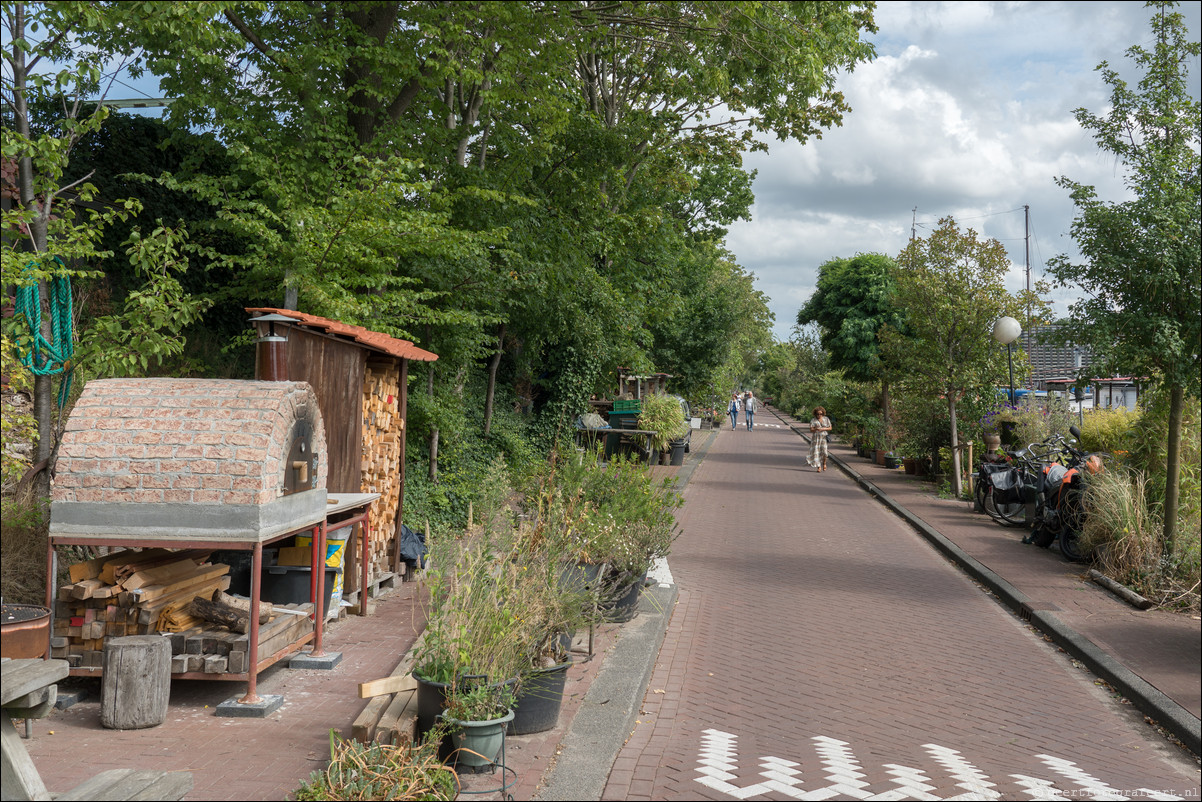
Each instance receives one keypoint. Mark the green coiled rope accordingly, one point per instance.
(45, 358)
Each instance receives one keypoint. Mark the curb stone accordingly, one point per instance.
(607, 716)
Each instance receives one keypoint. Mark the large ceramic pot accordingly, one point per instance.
(1009, 432)
(478, 743)
(539, 698)
(992, 441)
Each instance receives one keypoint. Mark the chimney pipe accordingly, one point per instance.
(271, 357)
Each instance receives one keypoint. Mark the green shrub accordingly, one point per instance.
(359, 771)
(1124, 531)
(1107, 430)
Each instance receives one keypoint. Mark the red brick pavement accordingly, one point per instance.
(244, 759)
(807, 612)
(237, 758)
(1163, 648)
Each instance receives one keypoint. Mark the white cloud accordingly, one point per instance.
(967, 110)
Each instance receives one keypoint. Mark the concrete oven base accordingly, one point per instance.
(267, 704)
(325, 662)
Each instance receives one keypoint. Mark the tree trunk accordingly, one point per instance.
(957, 486)
(231, 618)
(490, 391)
(886, 401)
(1172, 479)
(43, 386)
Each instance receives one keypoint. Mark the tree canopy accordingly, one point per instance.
(1142, 309)
(950, 287)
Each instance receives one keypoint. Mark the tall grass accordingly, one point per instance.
(1125, 532)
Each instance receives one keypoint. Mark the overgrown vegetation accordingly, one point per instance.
(376, 771)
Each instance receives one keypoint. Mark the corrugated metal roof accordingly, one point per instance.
(371, 339)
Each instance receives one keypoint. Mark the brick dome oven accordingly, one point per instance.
(190, 459)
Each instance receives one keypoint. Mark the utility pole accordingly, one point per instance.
(1027, 247)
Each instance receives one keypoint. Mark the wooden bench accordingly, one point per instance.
(28, 690)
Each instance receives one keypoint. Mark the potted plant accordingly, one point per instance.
(613, 521)
(555, 606)
(477, 714)
(663, 415)
(475, 628)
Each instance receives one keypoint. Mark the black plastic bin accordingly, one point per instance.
(239, 562)
(289, 584)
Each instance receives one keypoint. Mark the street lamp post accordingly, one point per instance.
(1006, 331)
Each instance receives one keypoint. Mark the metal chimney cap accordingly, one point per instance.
(272, 318)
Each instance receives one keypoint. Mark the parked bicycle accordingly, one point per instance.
(1060, 515)
(1010, 491)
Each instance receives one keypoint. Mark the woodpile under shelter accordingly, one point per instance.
(360, 379)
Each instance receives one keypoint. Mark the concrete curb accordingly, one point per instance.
(1146, 698)
(607, 715)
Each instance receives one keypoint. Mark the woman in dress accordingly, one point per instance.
(820, 426)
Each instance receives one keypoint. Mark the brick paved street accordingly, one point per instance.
(821, 649)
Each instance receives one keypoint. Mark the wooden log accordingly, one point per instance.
(266, 611)
(229, 617)
(137, 682)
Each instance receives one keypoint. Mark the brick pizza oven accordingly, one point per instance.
(190, 459)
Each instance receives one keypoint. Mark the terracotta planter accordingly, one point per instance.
(911, 465)
(880, 456)
(992, 442)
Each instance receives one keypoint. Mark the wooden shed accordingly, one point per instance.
(360, 379)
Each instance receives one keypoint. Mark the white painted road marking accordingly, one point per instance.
(718, 759)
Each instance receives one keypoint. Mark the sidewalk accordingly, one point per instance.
(1152, 657)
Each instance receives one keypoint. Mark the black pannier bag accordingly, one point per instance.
(1007, 486)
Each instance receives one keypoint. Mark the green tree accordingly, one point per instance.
(852, 302)
(950, 286)
(1142, 312)
(54, 55)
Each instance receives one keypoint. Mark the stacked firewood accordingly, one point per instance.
(380, 466)
(128, 593)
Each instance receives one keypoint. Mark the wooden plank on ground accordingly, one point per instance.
(387, 685)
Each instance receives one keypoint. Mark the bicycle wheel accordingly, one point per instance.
(1014, 514)
(1071, 546)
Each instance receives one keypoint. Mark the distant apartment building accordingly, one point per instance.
(1050, 361)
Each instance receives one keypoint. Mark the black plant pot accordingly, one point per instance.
(539, 698)
(626, 606)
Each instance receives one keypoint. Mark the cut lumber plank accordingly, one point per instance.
(386, 685)
(163, 574)
(199, 575)
(398, 724)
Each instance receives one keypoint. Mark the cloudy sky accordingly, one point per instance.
(967, 111)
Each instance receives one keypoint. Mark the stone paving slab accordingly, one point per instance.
(821, 649)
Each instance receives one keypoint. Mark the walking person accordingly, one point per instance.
(820, 426)
(733, 410)
(750, 404)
